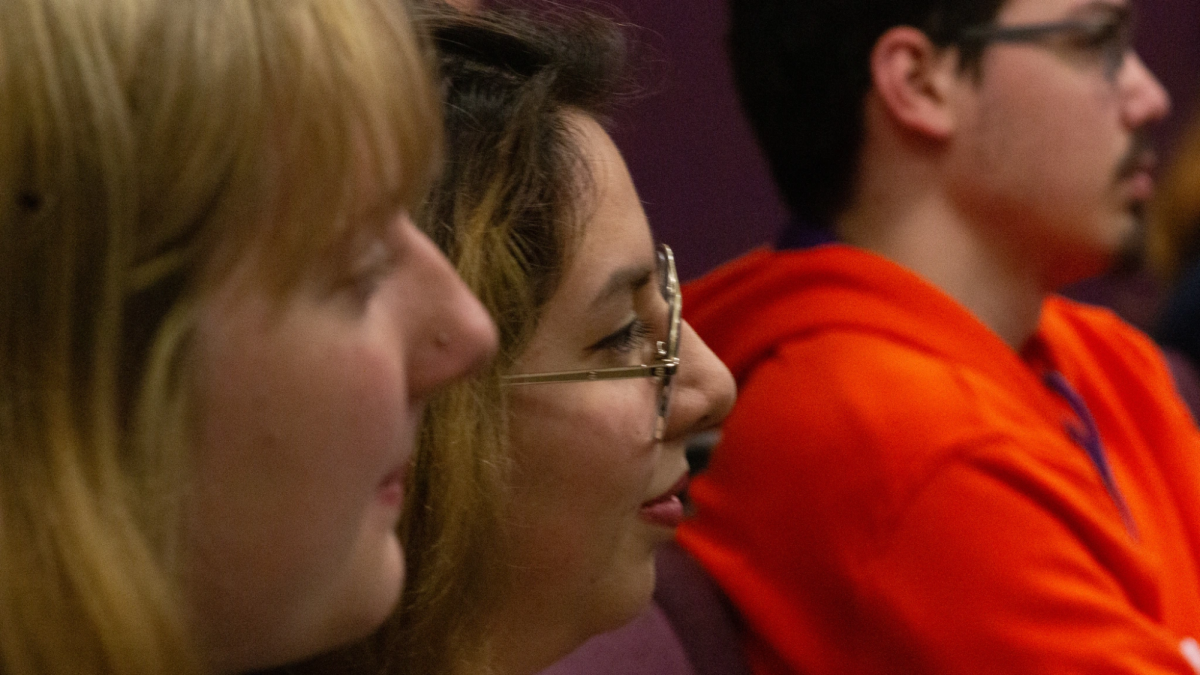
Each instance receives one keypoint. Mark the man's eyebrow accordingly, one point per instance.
(625, 278)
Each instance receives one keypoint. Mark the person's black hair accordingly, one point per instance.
(802, 70)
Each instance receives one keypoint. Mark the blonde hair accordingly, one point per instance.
(146, 146)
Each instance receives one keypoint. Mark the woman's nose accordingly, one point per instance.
(703, 390)
(453, 334)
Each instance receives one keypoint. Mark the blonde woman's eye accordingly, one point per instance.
(628, 339)
(365, 277)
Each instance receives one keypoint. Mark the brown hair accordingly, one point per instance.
(146, 146)
(507, 211)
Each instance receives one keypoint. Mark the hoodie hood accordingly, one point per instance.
(746, 309)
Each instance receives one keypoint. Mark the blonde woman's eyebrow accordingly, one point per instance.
(624, 279)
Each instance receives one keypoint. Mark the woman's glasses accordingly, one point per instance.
(666, 354)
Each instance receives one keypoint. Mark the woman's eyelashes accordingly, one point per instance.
(631, 337)
(369, 270)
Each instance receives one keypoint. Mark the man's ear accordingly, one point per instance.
(915, 80)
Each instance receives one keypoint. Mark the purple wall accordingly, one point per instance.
(705, 185)
(1168, 38)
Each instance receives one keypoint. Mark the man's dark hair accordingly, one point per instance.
(802, 69)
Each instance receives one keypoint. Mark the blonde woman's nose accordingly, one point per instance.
(453, 334)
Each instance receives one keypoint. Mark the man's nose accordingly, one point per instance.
(1145, 100)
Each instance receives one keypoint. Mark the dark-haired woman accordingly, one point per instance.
(542, 488)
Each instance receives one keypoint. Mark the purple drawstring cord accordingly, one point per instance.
(1087, 436)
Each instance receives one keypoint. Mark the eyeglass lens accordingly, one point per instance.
(1118, 43)
(1109, 35)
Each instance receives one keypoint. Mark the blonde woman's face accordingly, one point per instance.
(307, 413)
(594, 492)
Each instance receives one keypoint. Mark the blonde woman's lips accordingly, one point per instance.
(666, 510)
(391, 488)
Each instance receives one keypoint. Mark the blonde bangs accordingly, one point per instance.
(361, 130)
(330, 118)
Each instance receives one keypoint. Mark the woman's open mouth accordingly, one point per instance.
(666, 510)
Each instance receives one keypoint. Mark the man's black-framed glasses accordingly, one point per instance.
(1104, 33)
(666, 353)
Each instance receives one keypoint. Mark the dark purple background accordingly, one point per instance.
(704, 184)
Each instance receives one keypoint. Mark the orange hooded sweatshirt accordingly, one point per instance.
(899, 491)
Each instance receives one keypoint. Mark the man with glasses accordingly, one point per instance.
(935, 465)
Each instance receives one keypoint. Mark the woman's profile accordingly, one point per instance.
(543, 486)
(220, 327)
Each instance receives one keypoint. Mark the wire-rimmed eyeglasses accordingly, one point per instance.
(1104, 34)
(666, 353)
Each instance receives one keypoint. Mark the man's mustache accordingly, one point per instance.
(1139, 157)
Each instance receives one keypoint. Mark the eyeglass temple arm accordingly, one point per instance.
(1020, 33)
(667, 368)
